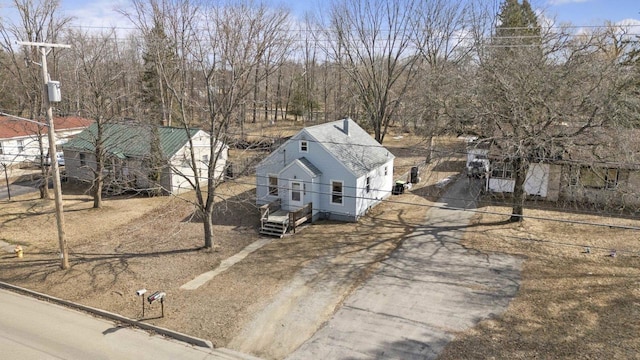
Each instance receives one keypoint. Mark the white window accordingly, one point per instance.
(273, 185)
(336, 192)
(386, 171)
(296, 194)
(205, 159)
(502, 170)
(304, 146)
(20, 146)
(368, 184)
(1, 149)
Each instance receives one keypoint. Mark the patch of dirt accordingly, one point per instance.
(573, 303)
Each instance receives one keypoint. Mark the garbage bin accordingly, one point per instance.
(398, 188)
(229, 173)
(415, 173)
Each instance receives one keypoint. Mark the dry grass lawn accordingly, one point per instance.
(136, 242)
(571, 304)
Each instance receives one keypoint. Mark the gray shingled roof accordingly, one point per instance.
(126, 140)
(358, 151)
(312, 168)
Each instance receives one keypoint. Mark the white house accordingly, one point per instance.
(19, 138)
(128, 157)
(337, 167)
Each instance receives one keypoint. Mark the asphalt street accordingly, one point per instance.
(34, 329)
(429, 289)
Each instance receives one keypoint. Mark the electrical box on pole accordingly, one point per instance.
(53, 88)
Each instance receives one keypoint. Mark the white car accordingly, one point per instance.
(47, 160)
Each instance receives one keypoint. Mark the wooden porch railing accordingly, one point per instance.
(269, 208)
(300, 216)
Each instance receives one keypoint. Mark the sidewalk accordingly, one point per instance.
(426, 291)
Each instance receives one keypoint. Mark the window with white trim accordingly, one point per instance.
(1, 149)
(273, 185)
(20, 146)
(502, 170)
(368, 184)
(296, 194)
(304, 146)
(336, 192)
(386, 171)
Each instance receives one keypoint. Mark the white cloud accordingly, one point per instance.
(99, 14)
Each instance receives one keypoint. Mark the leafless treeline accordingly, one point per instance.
(410, 62)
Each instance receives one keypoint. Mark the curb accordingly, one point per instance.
(111, 316)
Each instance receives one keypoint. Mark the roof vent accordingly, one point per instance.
(345, 126)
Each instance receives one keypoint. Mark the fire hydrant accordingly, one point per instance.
(18, 251)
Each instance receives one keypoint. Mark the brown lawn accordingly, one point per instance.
(571, 304)
(155, 243)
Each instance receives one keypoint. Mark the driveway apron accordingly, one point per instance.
(424, 293)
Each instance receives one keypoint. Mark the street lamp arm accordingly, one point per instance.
(41, 44)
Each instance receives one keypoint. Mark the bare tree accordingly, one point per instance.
(442, 33)
(371, 41)
(38, 21)
(536, 95)
(98, 70)
(222, 53)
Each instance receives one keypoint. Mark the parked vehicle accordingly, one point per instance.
(47, 160)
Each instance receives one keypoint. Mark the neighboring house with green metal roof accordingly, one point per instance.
(129, 163)
(337, 167)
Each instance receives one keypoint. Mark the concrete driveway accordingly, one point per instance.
(428, 290)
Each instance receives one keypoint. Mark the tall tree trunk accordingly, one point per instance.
(97, 193)
(98, 177)
(266, 95)
(208, 228)
(519, 195)
(255, 96)
(44, 186)
(278, 94)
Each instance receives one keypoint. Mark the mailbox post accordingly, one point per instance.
(157, 296)
(140, 293)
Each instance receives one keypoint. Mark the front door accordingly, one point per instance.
(295, 194)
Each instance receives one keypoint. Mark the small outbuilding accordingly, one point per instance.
(129, 163)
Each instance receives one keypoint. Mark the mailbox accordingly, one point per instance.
(158, 295)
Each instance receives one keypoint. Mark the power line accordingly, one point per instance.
(443, 207)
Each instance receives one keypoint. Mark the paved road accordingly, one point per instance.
(33, 329)
(428, 289)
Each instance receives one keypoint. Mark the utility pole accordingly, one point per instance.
(45, 48)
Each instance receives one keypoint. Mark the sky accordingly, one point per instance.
(578, 12)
